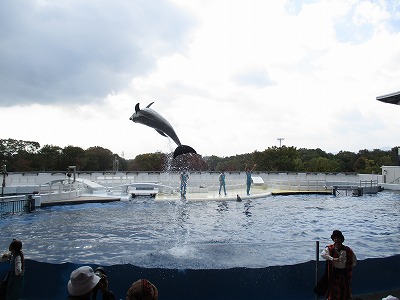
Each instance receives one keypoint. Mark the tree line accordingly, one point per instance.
(28, 156)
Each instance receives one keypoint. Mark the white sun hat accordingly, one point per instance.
(390, 297)
(82, 281)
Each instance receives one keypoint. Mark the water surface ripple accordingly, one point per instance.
(276, 230)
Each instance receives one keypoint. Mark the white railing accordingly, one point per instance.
(15, 204)
(298, 185)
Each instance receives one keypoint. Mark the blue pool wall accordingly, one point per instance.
(49, 281)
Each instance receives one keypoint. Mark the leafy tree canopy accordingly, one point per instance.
(24, 156)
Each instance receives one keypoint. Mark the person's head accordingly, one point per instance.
(142, 290)
(337, 236)
(82, 281)
(15, 246)
(100, 271)
(102, 274)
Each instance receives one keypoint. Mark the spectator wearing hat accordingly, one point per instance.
(83, 282)
(142, 289)
(340, 262)
(15, 276)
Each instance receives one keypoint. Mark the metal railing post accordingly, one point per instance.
(316, 264)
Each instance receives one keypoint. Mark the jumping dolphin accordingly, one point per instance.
(151, 118)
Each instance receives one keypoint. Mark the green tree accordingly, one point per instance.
(72, 156)
(385, 161)
(21, 155)
(148, 162)
(347, 160)
(308, 154)
(277, 159)
(366, 166)
(322, 164)
(213, 161)
(21, 164)
(395, 155)
(49, 158)
(371, 161)
(17, 154)
(299, 165)
(97, 159)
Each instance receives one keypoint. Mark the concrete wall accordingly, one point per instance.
(196, 180)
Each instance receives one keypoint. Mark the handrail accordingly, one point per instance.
(316, 264)
(309, 185)
(364, 183)
(397, 179)
(15, 204)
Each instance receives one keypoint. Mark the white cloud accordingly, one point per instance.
(231, 77)
(80, 51)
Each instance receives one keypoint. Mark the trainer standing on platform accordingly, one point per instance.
(248, 178)
(221, 179)
(184, 180)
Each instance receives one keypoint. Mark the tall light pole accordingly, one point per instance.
(280, 141)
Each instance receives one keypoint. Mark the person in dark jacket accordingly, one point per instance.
(15, 276)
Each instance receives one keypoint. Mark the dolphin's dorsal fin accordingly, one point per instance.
(149, 105)
(137, 107)
(160, 132)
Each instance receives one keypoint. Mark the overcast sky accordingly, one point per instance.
(230, 76)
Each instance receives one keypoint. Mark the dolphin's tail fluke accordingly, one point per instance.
(183, 149)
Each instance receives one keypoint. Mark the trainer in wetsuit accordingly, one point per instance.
(248, 178)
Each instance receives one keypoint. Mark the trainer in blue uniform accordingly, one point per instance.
(184, 179)
(222, 177)
(248, 178)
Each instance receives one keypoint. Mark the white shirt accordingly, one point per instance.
(18, 265)
(341, 262)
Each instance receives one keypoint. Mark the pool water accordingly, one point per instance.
(271, 231)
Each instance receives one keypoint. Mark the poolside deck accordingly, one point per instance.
(287, 193)
(235, 194)
(232, 195)
(80, 200)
